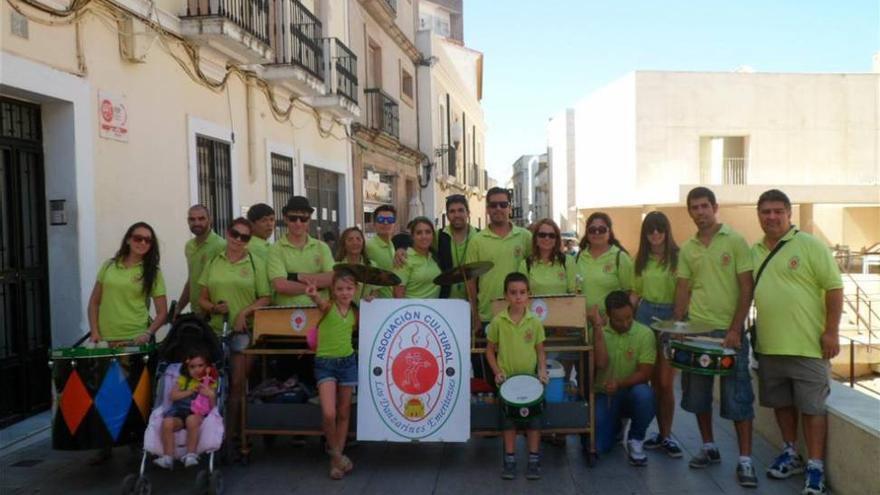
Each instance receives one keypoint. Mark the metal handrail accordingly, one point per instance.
(852, 363)
(299, 38)
(250, 15)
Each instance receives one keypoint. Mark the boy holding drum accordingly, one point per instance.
(516, 347)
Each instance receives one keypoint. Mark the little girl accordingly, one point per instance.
(197, 378)
(336, 365)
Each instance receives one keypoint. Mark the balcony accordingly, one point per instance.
(382, 112)
(382, 10)
(734, 170)
(340, 81)
(237, 28)
(299, 52)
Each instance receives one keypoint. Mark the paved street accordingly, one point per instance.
(391, 468)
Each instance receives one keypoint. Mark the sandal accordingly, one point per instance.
(336, 472)
(345, 463)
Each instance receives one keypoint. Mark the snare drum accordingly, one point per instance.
(702, 358)
(522, 397)
(102, 397)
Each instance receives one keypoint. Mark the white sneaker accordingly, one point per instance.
(190, 460)
(636, 452)
(164, 462)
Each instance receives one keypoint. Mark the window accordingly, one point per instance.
(374, 65)
(215, 179)
(322, 189)
(406, 86)
(282, 186)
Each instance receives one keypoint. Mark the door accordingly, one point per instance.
(24, 301)
(322, 189)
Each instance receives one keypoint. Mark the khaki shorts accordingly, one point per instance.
(802, 382)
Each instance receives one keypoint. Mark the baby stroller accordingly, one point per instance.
(189, 332)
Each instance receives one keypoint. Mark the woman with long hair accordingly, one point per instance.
(654, 292)
(351, 250)
(418, 272)
(119, 307)
(602, 262)
(550, 271)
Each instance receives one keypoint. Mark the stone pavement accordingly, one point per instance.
(395, 468)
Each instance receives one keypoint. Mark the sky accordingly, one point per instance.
(541, 56)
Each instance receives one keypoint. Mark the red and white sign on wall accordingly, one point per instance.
(112, 116)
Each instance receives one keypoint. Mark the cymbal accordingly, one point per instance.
(370, 274)
(468, 271)
(682, 327)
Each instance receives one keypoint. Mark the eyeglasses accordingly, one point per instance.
(386, 220)
(239, 235)
(498, 204)
(546, 235)
(660, 230)
(298, 218)
(140, 238)
(598, 230)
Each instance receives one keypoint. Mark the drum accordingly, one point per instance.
(702, 358)
(102, 397)
(566, 310)
(285, 321)
(522, 397)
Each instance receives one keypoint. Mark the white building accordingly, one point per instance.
(563, 173)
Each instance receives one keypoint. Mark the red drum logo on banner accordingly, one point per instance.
(415, 371)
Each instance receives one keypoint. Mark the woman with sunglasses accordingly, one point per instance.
(351, 251)
(233, 285)
(654, 292)
(603, 264)
(421, 267)
(119, 307)
(550, 271)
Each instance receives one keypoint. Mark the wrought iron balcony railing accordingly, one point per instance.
(382, 112)
(252, 16)
(298, 41)
(344, 64)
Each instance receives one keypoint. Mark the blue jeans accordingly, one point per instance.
(646, 313)
(343, 371)
(636, 403)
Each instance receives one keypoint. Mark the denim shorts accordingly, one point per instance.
(646, 313)
(737, 396)
(343, 371)
(180, 409)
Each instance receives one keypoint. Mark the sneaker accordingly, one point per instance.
(164, 462)
(745, 475)
(533, 470)
(508, 470)
(653, 442)
(814, 482)
(671, 448)
(786, 465)
(705, 458)
(636, 454)
(190, 460)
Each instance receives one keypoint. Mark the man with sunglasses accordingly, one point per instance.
(380, 247)
(198, 251)
(298, 259)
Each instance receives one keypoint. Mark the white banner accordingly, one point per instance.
(414, 370)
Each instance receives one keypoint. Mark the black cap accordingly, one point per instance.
(298, 203)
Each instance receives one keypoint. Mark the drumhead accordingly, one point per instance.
(522, 390)
(705, 347)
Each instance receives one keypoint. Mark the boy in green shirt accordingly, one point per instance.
(515, 347)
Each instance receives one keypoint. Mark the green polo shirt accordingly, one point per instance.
(790, 298)
(711, 272)
(516, 342)
(625, 352)
(123, 313)
(418, 274)
(459, 253)
(197, 256)
(313, 257)
(602, 275)
(381, 253)
(548, 279)
(334, 334)
(506, 253)
(239, 284)
(656, 283)
(259, 247)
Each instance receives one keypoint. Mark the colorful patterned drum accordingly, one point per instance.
(522, 397)
(702, 358)
(103, 397)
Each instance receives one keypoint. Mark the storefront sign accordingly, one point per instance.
(414, 371)
(112, 116)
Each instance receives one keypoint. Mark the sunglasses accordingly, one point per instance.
(298, 218)
(141, 239)
(386, 220)
(239, 235)
(546, 235)
(498, 204)
(660, 230)
(598, 230)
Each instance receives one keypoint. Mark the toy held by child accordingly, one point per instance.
(202, 404)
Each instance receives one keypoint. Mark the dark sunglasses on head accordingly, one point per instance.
(141, 238)
(387, 220)
(598, 230)
(546, 235)
(298, 218)
(239, 235)
(498, 204)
